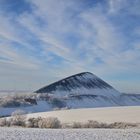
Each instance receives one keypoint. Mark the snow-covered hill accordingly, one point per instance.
(84, 83)
(84, 90)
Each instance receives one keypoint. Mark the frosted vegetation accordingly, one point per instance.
(16, 100)
(19, 118)
(10, 129)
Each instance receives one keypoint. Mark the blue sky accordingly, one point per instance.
(42, 41)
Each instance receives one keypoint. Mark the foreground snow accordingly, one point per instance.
(129, 114)
(68, 134)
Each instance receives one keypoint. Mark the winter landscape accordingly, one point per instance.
(81, 106)
(69, 70)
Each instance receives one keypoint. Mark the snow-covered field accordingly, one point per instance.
(129, 114)
(68, 134)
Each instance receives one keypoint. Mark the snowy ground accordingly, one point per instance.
(129, 114)
(68, 134)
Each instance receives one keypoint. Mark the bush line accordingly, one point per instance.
(19, 118)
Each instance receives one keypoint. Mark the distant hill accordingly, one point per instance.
(83, 90)
(82, 83)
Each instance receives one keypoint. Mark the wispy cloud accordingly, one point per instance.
(60, 37)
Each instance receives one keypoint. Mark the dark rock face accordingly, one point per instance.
(31, 101)
(85, 80)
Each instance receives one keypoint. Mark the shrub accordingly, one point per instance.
(49, 122)
(18, 118)
(95, 124)
(77, 125)
(66, 125)
(122, 125)
(33, 122)
(92, 124)
(3, 122)
(39, 122)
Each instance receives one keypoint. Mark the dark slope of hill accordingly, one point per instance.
(82, 83)
(85, 79)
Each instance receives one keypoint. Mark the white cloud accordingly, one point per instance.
(100, 46)
(99, 38)
(129, 7)
(116, 5)
(12, 57)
